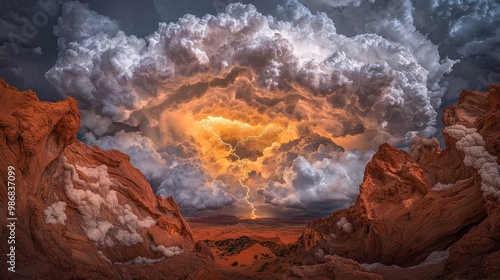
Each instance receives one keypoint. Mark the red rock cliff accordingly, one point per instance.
(82, 212)
(411, 204)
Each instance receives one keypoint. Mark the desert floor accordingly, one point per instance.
(250, 247)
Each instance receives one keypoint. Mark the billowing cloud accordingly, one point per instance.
(338, 3)
(240, 108)
(465, 31)
(472, 144)
(166, 252)
(329, 179)
(84, 24)
(380, 81)
(171, 176)
(55, 213)
(104, 220)
(344, 225)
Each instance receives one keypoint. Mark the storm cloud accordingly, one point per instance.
(290, 105)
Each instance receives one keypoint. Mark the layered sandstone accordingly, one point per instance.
(83, 212)
(477, 254)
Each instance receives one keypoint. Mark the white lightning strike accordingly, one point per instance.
(242, 162)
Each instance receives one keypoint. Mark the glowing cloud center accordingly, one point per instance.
(240, 161)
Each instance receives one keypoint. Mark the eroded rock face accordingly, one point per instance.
(397, 218)
(477, 254)
(411, 204)
(83, 212)
(333, 268)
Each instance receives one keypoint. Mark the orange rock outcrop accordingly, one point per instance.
(411, 204)
(82, 212)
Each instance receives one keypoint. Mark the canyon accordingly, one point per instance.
(81, 212)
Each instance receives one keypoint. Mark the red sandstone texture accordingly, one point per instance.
(398, 219)
(333, 268)
(477, 254)
(36, 138)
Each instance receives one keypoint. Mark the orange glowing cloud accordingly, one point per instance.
(244, 112)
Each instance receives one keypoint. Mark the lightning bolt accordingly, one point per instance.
(242, 162)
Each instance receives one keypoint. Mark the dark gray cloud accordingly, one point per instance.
(461, 30)
(305, 184)
(27, 47)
